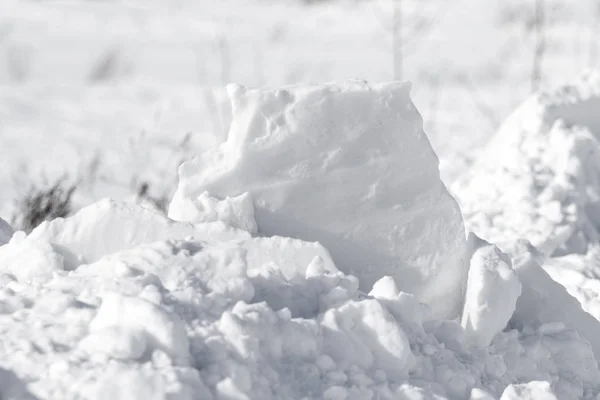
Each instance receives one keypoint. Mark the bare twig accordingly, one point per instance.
(41, 204)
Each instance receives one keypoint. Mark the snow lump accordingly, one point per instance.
(347, 165)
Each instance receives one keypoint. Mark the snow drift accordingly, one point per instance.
(539, 178)
(347, 165)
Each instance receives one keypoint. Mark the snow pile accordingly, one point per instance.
(492, 292)
(539, 177)
(347, 165)
(107, 226)
(119, 302)
(212, 319)
(534, 390)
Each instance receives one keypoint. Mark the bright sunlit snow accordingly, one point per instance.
(350, 220)
(347, 165)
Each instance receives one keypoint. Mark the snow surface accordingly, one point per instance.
(347, 165)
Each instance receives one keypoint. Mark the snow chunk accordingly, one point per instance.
(237, 211)
(292, 257)
(548, 153)
(121, 382)
(13, 388)
(347, 165)
(109, 226)
(116, 342)
(535, 390)
(480, 394)
(6, 232)
(30, 260)
(373, 334)
(492, 292)
(144, 322)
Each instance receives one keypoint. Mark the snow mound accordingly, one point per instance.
(189, 319)
(347, 165)
(539, 177)
(119, 302)
(137, 323)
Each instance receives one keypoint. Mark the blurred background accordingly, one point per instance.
(106, 97)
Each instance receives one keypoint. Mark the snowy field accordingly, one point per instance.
(328, 235)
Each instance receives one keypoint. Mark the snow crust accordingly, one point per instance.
(347, 165)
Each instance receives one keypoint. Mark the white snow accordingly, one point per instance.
(141, 325)
(543, 301)
(186, 319)
(534, 390)
(547, 152)
(43, 261)
(492, 292)
(108, 226)
(120, 302)
(347, 165)
(237, 212)
(539, 180)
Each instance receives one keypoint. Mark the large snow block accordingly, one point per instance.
(347, 165)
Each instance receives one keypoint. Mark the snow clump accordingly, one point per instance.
(347, 165)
